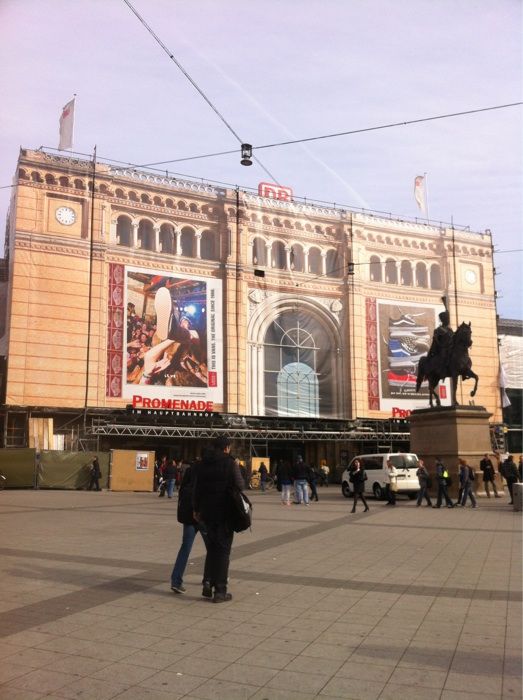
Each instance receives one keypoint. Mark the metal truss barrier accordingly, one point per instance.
(171, 431)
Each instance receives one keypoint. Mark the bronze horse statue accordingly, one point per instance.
(434, 368)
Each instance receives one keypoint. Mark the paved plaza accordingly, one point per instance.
(397, 603)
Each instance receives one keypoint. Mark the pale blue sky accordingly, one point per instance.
(284, 69)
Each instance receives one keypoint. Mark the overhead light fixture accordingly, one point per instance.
(246, 154)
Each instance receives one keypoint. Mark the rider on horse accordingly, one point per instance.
(442, 340)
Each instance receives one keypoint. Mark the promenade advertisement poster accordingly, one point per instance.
(174, 337)
(404, 336)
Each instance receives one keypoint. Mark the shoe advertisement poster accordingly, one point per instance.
(174, 346)
(405, 335)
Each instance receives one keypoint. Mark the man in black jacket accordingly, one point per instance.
(217, 475)
(489, 475)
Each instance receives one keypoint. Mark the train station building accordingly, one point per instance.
(148, 311)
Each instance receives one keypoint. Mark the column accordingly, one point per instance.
(134, 235)
(177, 242)
(288, 257)
(323, 262)
(198, 244)
(156, 230)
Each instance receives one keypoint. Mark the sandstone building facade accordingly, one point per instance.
(289, 310)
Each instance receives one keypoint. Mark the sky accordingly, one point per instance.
(280, 70)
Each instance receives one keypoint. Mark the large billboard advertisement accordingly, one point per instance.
(403, 335)
(174, 338)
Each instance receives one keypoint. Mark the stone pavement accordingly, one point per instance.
(400, 602)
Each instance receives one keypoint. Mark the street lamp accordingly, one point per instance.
(246, 154)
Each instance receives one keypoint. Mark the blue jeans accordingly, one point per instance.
(170, 487)
(302, 490)
(467, 491)
(189, 533)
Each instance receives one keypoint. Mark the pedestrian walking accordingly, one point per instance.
(489, 475)
(94, 475)
(466, 480)
(264, 472)
(216, 477)
(168, 479)
(444, 482)
(312, 480)
(424, 484)
(391, 485)
(358, 477)
(300, 474)
(511, 475)
(325, 471)
(283, 477)
(185, 516)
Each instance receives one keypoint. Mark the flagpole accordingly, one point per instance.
(426, 195)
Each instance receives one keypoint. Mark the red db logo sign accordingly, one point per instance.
(272, 191)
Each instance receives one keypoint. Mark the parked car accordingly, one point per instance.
(405, 466)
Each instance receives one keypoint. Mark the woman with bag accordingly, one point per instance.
(424, 484)
(190, 528)
(358, 477)
(392, 486)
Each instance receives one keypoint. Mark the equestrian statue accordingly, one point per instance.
(448, 357)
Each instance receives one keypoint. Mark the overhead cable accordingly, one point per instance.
(341, 133)
(193, 83)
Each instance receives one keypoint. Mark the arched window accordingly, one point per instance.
(119, 193)
(123, 231)
(255, 217)
(315, 261)
(182, 206)
(36, 177)
(64, 181)
(279, 257)
(391, 272)
(308, 227)
(22, 174)
(133, 196)
(208, 246)
(298, 226)
(298, 367)
(145, 199)
(187, 240)
(158, 201)
(375, 269)
(421, 275)
(169, 203)
(266, 220)
(145, 235)
(435, 277)
(167, 238)
(104, 189)
(333, 264)
(297, 258)
(50, 179)
(193, 207)
(259, 252)
(406, 273)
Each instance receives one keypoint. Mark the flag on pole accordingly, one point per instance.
(505, 401)
(66, 126)
(419, 193)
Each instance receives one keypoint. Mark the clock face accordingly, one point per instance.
(65, 216)
(470, 276)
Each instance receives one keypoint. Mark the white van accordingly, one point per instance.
(405, 467)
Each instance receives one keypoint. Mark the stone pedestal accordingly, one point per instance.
(450, 433)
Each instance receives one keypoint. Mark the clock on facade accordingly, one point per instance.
(65, 216)
(470, 276)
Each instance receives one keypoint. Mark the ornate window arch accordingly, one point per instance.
(375, 273)
(406, 273)
(167, 238)
(421, 275)
(208, 246)
(259, 252)
(391, 271)
(124, 231)
(187, 242)
(315, 261)
(146, 234)
(297, 258)
(278, 255)
(295, 365)
(435, 277)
